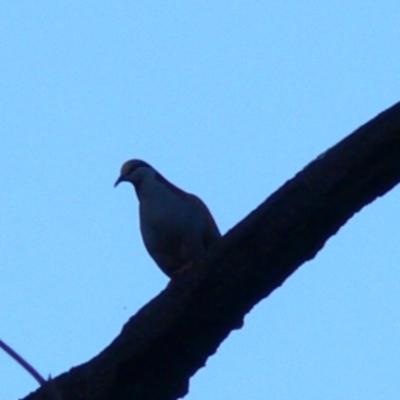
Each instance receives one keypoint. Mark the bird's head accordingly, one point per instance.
(134, 171)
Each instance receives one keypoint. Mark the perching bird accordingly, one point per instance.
(176, 226)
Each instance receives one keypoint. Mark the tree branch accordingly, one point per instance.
(170, 338)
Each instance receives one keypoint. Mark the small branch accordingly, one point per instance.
(48, 385)
(23, 363)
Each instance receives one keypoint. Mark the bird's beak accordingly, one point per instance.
(119, 180)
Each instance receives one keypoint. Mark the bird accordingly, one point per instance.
(176, 226)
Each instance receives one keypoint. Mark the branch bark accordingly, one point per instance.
(171, 337)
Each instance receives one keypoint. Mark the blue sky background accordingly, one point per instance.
(228, 99)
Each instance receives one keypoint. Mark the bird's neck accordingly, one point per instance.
(155, 186)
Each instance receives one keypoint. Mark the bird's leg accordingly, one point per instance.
(183, 269)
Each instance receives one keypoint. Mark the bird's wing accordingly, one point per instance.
(211, 233)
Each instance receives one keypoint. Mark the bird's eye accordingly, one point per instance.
(126, 168)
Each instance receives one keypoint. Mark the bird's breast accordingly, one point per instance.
(165, 216)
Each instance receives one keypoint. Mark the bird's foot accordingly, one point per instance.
(182, 270)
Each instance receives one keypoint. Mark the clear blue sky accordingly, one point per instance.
(228, 99)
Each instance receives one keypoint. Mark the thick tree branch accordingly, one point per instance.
(169, 339)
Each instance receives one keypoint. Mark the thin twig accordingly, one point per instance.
(23, 363)
(47, 384)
